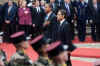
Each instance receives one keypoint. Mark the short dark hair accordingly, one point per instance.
(63, 12)
(50, 5)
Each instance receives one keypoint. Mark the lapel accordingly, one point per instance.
(49, 17)
(11, 10)
(61, 27)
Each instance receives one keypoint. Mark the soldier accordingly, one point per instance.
(21, 43)
(3, 61)
(58, 53)
(40, 46)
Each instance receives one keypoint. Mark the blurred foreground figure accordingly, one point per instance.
(58, 53)
(40, 46)
(20, 58)
(3, 61)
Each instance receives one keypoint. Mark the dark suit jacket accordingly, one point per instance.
(48, 29)
(55, 8)
(37, 18)
(12, 15)
(63, 33)
(72, 12)
(61, 3)
(81, 11)
(93, 13)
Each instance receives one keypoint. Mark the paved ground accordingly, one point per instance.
(89, 45)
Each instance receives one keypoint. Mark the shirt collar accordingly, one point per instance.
(61, 22)
(49, 14)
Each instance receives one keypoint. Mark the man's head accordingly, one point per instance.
(10, 2)
(19, 40)
(61, 15)
(48, 8)
(37, 3)
(40, 43)
(94, 1)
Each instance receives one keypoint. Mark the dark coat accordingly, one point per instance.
(93, 13)
(81, 11)
(63, 33)
(70, 17)
(48, 29)
(37, 18)
(12, 15)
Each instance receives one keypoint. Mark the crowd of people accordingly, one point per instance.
(52, 25)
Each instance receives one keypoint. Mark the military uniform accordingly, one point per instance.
(40, 43)
(3, 57)
(43, 61)
(56, 50)
(20, 59)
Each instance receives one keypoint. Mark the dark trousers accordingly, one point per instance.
(27, 28)
(72, 31)
(93, 33)
(9, 28)
(98, 31)
(69, 63)
(1, 25)
(81, 27)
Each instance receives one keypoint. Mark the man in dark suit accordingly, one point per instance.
(54, 6)
(70, 10)
(64, 32)
(93, 16)
(38, 16)
(81, 19)
(50, 19)
(59, 3)
(10, 11)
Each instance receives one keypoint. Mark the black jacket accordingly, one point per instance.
(63, 33)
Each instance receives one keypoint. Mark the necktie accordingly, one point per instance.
(68, 9)
(9, 9)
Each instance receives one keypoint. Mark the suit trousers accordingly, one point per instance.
(81, 27)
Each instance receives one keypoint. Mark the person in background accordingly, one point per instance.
(54, 6)
(49, 21)
(38, 16)
(21, 43)
(63, 32)
(40, 46)
(81, 19)
(93, 17)
(10, 12)
(59, 3)
(58, 53)
(70, 10)
(25, 19)
(42, 3)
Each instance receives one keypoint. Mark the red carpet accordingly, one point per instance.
(81, 63)
(10, 50)
(86, 52)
